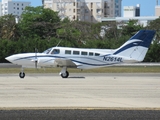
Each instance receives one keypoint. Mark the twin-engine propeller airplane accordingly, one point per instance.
(134, 50)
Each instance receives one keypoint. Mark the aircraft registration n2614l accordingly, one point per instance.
(134, 50)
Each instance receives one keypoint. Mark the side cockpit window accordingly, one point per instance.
(47, 51)
(55, 51)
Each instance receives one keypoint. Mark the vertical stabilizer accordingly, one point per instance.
(137, 46)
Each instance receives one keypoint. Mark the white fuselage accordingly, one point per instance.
(82, 58)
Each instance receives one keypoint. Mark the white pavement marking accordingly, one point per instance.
(91, 91)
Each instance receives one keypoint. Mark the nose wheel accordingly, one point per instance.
(21, 74)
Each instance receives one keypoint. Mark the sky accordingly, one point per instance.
(147, 7)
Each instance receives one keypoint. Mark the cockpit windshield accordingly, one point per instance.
(47, 51)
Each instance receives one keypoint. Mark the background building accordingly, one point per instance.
(157, 9)
(12, 7)
(141, 20)
(131, 11)
(118, 7)
(85, 10)
(137, 13)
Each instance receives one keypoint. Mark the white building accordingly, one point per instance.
(85, 10)
(157, 10)
(12, 7)
(131, 11)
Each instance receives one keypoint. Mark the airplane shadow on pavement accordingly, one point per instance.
(78, 77)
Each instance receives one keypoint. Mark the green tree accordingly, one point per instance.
(8, 27)
(131, 27)
(154, 50)
(39, 22)
(155, 25)
(75, 32)
(153, 53)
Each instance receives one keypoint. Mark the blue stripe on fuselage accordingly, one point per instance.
(30, 58)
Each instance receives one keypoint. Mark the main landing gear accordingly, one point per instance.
(64, 73)
(22, 74)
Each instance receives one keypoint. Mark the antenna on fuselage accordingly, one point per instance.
(58, 43)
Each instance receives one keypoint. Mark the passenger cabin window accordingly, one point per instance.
(55, 51)
(97, 54)
(75, 52)
(90, 54)
(68, 52)
(83, 53)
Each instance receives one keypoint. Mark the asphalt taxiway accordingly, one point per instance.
(91, 90)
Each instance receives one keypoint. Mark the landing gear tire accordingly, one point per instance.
(65, 75)
(21, 74)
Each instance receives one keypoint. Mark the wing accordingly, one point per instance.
(62, 62)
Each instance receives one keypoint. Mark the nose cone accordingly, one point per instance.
(10, 58)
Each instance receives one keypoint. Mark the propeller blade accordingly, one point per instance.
(36, 61)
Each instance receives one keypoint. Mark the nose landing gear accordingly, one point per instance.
(22, 74)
